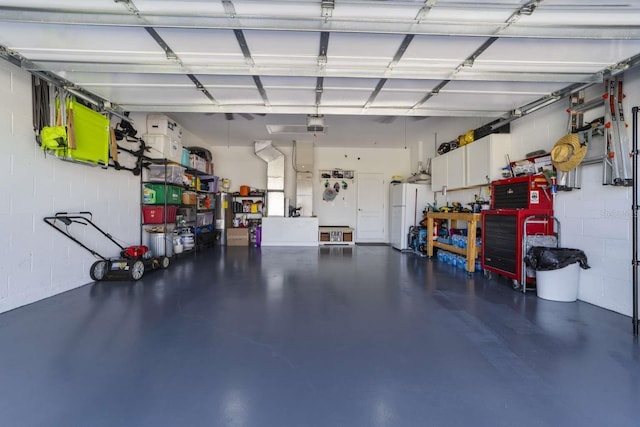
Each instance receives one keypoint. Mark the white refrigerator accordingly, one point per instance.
(408, 201)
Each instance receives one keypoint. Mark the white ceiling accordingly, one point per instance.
(433, 58)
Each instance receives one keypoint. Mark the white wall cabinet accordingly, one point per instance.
(456, 168)
(485, 159)
(475, 164)
(449, 169)
(438, 172)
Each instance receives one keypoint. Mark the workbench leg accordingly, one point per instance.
(471, 247)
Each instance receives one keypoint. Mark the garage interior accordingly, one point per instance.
(296, 332)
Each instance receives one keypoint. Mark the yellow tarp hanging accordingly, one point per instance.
(90, 133)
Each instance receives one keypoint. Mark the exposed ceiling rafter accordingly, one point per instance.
(324, 46)
(319, 90)
(201, 88)
(262, 91)
(431, 94)
(129, 5)
(170, 54)
(229, 8)
(424, 10)
(396, 58)
(306, 109)
(322, 63)
(328, 71)
(458, 27)
(244, 47)
(401, 50)
(375, 93)
(246, 52)
(526, 10)
(468, 62)
(471, 59)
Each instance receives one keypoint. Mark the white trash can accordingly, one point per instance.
(559, 285)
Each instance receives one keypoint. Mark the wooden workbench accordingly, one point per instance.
(471, 252)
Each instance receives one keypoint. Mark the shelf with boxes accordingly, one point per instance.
(335, 235)
(198, 159)
(161, 188)
(252, 204)
(161, 192)
(186, 202)
(248, 208)
(198, 205)
(163, 139)
(164, 142)
(180, 202)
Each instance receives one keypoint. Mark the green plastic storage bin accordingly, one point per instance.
(154, 194)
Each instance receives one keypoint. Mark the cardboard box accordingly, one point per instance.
(238, 237)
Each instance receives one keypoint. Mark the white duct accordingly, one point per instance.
(275, 176)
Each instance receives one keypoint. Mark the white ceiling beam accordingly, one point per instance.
(606, 30)
(327, 71)
(130, 6)
(307, 109)
(424, 10)
(394, 61)
(525, 10)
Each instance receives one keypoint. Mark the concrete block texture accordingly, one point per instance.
(39, 261)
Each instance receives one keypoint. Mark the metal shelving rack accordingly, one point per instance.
(254, 218)
(204, 231)
(165, 205)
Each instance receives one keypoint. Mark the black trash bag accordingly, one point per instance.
(542, 258)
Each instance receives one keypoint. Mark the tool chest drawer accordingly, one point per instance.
(500, 244)
(503, 232)
(525, 192)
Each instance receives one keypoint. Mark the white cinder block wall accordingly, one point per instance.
(596, 218)
(36, 261)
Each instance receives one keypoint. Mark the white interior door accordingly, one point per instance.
(371, 221)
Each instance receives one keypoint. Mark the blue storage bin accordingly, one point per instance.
(184, 160)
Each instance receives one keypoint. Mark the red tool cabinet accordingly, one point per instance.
(514, 203)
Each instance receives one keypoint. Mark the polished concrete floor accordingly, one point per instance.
(333, 336)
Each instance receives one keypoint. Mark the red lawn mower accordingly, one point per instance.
(133, 260)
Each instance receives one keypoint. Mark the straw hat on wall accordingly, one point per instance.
(567, 154)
